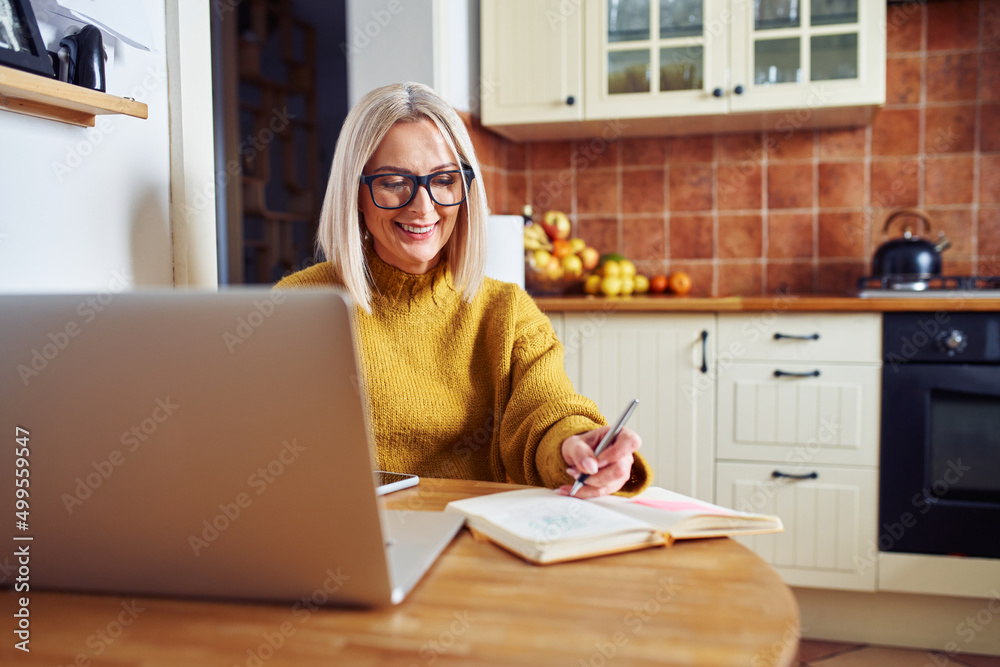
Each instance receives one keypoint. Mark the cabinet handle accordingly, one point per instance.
(779, 336)
(571, 100)
(704, 350)
(717, 92)
(810, 475)
(738, 90)
(793, 374)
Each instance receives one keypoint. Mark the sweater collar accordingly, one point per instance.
(397, 289)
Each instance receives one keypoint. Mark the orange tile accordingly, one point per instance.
(840, 277)
(795, 145)
(739, 186)
(517, 191)
(953, 265)
(991, 25)
(990, 67)
(690, 188)
(789, 186)
(739, 147)
(989, 234)
(691, 237)
(950, 129)
(789, 235)
(740, 236)
(955, 25)
(790, 278)
(516, 155)
(595, 153)
(842, 143)
(741, 279)
(842, 235)
(698, 148)
(552, 190)
(989, 137)
(956, 223)
(896, 132)
(841, 184)
(644, 238)
(597, 191)
(601, 233)
(949, 180)
(549, 154)
(644, 151)
(701, 277)
(895, 182)
(902, 80)
(952, 77)
(495, 194)
(904, 31)
(989, 175)
(644, 190)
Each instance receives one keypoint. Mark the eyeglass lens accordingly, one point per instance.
(395, 190)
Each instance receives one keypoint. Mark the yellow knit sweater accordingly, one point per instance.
(465, 390)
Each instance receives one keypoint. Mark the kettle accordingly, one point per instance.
(910, 255)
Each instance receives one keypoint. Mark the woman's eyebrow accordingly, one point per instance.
(402, 170)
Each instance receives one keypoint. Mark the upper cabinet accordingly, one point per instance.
(561, 69)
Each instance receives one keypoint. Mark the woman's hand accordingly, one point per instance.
(609, 471)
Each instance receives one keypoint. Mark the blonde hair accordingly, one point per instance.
(341, 229)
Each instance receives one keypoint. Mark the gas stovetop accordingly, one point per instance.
(984, 287)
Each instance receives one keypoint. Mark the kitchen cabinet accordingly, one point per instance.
(613, 357)
(798, 434)
(645, 67)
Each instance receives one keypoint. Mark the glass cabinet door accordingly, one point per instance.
(654, 46)
(797, 41)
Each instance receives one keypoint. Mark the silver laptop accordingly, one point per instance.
(201, 445)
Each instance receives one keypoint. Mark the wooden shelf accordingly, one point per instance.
(34, 95)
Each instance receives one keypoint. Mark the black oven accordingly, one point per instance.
(940, 450)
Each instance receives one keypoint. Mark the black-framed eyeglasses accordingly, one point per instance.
(446, 188)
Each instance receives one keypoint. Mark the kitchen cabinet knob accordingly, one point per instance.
(738, 90)
(570, 100)
(717, 92)
(794, 374)
(810, 475)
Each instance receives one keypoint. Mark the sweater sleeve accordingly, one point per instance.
(544, 409)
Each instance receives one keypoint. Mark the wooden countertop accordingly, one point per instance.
(662, 303)
(699, 602)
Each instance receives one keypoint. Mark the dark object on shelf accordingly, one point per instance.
(21, 43)
(82, 58)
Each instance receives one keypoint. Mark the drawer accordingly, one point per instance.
(828, 413)
(830, 521)
(836, 337)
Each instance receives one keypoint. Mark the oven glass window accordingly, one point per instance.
(964, 446)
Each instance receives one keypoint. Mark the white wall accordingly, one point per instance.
(80, 209)
(435, 42)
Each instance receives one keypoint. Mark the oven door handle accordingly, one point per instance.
(811, 475)
(793, 374)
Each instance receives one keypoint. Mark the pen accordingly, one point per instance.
(608, 438)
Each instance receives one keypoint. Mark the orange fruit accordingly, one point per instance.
(561, 248)
(658, 283)
(679, 282)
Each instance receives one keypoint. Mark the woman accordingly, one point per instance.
(464, 374)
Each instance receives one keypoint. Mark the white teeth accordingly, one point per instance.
(416, 230)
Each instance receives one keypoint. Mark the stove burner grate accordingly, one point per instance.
(916, 283)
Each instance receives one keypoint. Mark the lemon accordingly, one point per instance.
(628, 268)
(628, 286)
(641, 284)
(611, 269)
(611, 285)
(593, 284)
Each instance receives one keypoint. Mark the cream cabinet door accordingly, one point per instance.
(531, 61)
(657, 359)
(830, 521)
(794, 412)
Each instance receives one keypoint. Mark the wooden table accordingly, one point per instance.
(700, 602)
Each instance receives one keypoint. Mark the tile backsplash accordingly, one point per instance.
(793, 210)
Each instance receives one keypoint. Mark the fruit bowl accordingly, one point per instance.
(538, 283)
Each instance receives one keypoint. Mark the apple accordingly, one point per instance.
(554, 269)
(556, 225)
(576, 245)
(590, 258)
(572, 266)
(541, 258)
